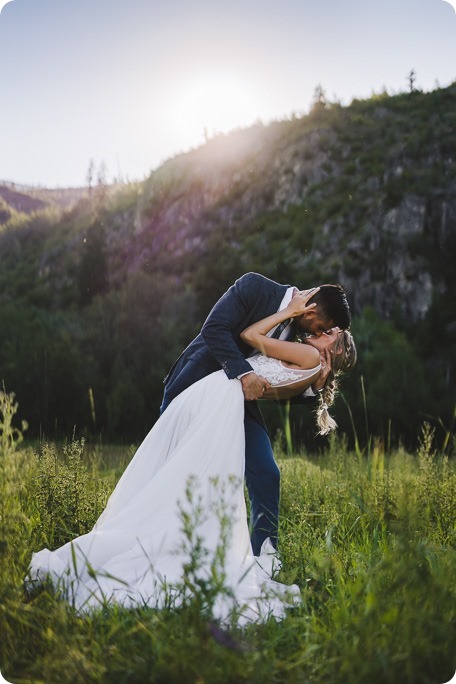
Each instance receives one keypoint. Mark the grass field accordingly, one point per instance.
(369, 538)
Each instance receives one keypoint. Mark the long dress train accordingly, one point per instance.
(182, 494)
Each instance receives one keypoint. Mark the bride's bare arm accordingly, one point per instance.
(301, 355)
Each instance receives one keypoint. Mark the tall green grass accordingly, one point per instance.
(369, 538)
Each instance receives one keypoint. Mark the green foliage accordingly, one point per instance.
(396, 391)
(370, 541)
(92, 274)
(41, 358)
(108, 361)
(69, 495)
(11, 490)
(132, 338)
(10, 437)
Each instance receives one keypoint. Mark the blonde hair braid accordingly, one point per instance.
(344, 358)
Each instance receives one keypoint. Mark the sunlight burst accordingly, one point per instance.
(213, 105)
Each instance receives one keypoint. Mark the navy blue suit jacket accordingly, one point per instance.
(251, 298)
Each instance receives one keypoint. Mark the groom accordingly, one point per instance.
(252, 298)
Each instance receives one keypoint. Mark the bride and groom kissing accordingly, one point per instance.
(211, 430)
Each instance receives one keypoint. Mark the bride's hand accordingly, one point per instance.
(298, 303)
(326, 366)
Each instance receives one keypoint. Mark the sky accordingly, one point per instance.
(131, 83)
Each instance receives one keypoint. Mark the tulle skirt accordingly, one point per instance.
(176, 521)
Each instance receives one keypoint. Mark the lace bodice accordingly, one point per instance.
(278, 374)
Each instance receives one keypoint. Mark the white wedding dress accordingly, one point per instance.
(189, 471)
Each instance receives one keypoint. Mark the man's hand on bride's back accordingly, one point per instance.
(254, 386)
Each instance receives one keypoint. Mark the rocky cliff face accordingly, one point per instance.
(373, 185)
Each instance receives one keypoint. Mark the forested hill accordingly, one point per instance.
(99, 294)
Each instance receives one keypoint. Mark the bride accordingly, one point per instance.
(177, 518)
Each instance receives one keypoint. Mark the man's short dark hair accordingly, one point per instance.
(332, 305)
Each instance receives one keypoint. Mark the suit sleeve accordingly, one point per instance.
(228, 318)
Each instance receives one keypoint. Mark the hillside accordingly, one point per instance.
(114, 285)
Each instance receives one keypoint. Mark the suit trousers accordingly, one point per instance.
(262, 477)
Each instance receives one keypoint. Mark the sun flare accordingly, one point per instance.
(213, 105)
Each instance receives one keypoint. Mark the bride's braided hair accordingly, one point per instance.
(343, 360)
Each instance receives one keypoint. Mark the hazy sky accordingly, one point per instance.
(134, 82)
